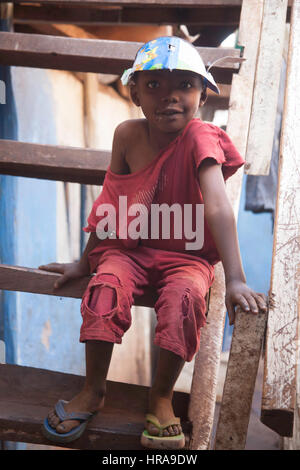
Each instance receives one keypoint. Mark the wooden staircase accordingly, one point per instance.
(27, 394)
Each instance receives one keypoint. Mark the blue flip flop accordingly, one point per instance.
(72, 435)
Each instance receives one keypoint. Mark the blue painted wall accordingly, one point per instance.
(47, 327)
(8, 130)
(38, 330)
(255, 233)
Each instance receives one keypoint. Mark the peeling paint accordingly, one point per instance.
(46, 333)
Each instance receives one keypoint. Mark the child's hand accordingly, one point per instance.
(68, 270)
(238, 293)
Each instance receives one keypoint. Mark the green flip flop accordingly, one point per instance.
(160, 441)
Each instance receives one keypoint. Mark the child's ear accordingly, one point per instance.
(134, 95)
(203, 97)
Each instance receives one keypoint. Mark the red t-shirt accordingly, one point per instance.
(171, 178)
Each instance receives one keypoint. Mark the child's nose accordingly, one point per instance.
(171, 96)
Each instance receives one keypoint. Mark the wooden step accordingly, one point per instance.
(27, 394)
(79, 165)
(92, 55)
(83, 4)
(36, 281)
(133, 3)
(200, 14)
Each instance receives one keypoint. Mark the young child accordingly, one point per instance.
(171, 160)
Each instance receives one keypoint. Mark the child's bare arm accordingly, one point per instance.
(221, 221)
(118, 162)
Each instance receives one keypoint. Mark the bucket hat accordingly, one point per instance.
(171, 53)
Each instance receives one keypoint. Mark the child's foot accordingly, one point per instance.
(83, 402)
(161, 407)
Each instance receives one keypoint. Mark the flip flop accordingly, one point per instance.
(72, 435)
(160, 441)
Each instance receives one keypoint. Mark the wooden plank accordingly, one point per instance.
(86, 55)
(21, 279)
(92, 16)
(204, 386)
(37, 281)
(293, 443)
(112, 3)
(79, 165)
(240, 380)
(266, 88)
(132, 3)
(27, 394)
(237, 128)
(279, 390)
(206, 368)
(242, 89)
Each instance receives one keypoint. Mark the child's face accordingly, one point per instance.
(169, 100)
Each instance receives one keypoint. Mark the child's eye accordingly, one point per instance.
(186, 84)
(153, 84)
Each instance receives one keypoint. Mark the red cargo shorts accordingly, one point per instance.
(181, 280)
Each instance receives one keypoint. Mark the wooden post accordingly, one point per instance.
(294, 442)
(242, 89)
(240, 380)
(240, 107)
(205, 377)
(279, 390)
(206, 368)
(266, 87)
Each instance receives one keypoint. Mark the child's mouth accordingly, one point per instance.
(169, 112)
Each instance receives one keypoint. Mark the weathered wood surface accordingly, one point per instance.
(54, 162)
(112, 3)
(279, 390)
(92, 16)
(86, 55)
(238, 123)
(266, 88)
(206, 368)
(37, 281)
(293, 443)
(245, 352)
(205, 377)
(115, 3)
(28, 394)
(242, 89)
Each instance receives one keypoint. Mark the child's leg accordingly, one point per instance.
(91, 398)
(161, 393)
(180, 309)
(106, 314)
